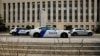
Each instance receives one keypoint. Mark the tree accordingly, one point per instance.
(2, 25)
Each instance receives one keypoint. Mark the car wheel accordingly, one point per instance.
(36, 35)
(13, 33)
(90, 34)
(75, 34)
(27, 33)
(64, 35)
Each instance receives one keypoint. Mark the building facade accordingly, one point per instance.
(59, 13)
(0, 7)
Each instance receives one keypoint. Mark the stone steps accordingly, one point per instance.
(49, 49)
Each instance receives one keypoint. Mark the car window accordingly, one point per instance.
(43, 28)
(51, 28)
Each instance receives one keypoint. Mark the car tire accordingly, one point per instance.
(75, 34)
(36, 35)
(90, 34)
(64, 35)
(27, 33)
(13, 33)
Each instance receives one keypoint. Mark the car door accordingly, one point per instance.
(22, 31)
(51, 32)
(80, 31)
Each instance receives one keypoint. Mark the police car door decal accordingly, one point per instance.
(42, 32)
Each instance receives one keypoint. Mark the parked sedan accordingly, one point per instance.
(81, 31)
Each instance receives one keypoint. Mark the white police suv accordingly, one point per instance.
(19, 31)
(48, 31)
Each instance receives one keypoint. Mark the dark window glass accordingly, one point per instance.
(9, 6)
(33, 16)
(28, 4)
(65, 4)
(70, 3)
(59, 4)
(33, 4)
(76, 4)
(13, 5)
(87, 19)
(54, 4)
(43, 4)
(49, 4)
(70, 18)
(4, 5)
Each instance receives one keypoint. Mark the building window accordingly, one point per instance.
(33, 4)
(13, 5)
(9, 16)
(4, 12)
(87, 27)
(54, 26)
(54, 4)
(38, 5)
(92, 27)
(65, 4)
(23, 5)
(18, 12)
(13, 16)
(76, 4)
(4, 5)
(65, 16)
(54, 15)
(28, 15)
(49, 4)
(70, 3)
(81, 3)
(13, 26)
(4, 16)
(33, 16)
(32, 26)
(87, 4)
(92, 18)
(70, 18)
(81, 19)
(87, 19)
(49, 15)
(70, 12)
(17, 25)
(9, 6)
(76, 26)
(43, 4)
(81, 26)
(28, 4)
(22, 25)
(59, 4)
(38, 16)
(59, 15)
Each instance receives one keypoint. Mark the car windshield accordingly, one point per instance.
(47, 28)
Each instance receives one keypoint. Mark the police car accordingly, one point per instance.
(19, 31)
(49, 32)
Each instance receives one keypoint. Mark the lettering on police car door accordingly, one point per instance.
(52, 32)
